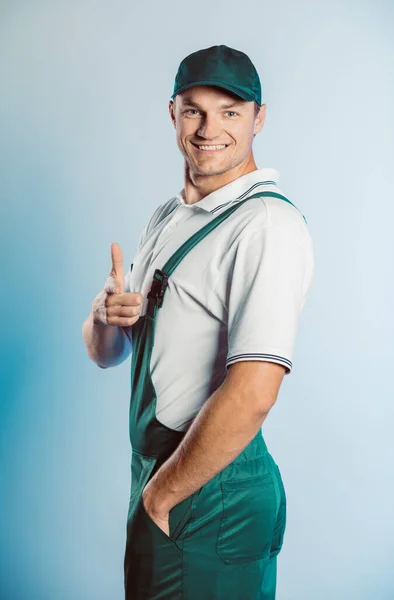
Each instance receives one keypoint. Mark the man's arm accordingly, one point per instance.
(106, 345)
(222, 429)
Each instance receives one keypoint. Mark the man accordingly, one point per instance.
(209, 309)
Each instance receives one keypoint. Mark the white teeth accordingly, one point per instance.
(212, 147)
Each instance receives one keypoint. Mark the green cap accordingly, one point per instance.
(223, 67)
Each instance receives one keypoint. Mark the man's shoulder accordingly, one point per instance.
(161, 212)
(281, 209)
(276, 211)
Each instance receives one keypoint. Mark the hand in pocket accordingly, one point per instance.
(162, 520)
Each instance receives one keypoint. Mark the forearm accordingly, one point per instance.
(223, 428)
(106, 345)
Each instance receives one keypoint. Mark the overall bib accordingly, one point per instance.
(224, 538)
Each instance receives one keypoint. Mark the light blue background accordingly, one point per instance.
(87, 152)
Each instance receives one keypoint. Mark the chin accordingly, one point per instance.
(217, 170)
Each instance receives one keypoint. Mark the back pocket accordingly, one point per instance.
(248, 519)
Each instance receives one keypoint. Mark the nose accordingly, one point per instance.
(210, 128)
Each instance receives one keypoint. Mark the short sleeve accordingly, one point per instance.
(269, 280)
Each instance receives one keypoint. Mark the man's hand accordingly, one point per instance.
(160, 518)
(114, 306)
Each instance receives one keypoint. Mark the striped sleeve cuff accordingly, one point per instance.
(281, 360)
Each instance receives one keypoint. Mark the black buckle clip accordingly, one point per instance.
(159, 285)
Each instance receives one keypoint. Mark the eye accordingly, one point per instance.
(231, 111)
(190, 109)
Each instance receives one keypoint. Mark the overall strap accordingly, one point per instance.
(160, 277)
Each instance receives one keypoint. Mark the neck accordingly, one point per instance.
(198, 186)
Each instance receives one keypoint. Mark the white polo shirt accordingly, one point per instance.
(237, 295)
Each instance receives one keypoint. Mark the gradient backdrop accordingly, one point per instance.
(85, 135)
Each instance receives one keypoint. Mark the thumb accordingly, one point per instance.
(117, 271)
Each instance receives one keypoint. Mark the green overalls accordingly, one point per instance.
(224, 538)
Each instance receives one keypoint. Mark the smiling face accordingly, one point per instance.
(214, 129)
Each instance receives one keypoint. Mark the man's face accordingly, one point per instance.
(206, 117)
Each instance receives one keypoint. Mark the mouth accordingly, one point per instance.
(210, 148)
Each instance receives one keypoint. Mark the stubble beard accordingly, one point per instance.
(211, 171)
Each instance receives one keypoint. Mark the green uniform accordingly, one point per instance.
(224, 539)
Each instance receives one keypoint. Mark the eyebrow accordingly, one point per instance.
(189, 102)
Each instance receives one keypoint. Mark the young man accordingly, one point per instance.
(210, 310)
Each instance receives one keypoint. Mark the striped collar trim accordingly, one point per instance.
(236, 190)
(244, 195)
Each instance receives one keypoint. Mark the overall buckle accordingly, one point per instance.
(159, 286)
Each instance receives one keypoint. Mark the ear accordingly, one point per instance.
(259, 119)
(171, 108)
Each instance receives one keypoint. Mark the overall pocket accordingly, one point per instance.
(179, 517)
(143, 469)
(248, 519)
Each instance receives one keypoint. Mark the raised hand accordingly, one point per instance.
(114, 306)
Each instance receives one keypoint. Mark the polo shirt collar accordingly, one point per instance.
(239, 189)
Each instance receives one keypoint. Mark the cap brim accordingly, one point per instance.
(239, 92)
